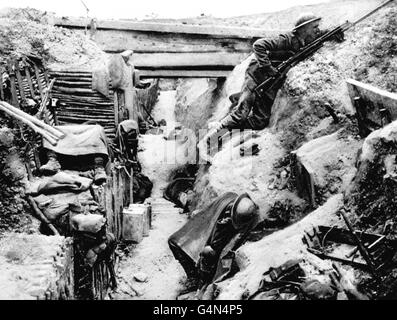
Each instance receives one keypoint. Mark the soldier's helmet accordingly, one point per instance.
(244, 212)
(304, 19)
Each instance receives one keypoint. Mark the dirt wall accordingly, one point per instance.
(36, 267)
(29, 31)
(195, 101)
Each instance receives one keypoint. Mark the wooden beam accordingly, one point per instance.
(374, 107)
(11, 72)
(115, 41)
(118, 36)
(187, 60)
(213, 31)
(161, 73)
(373, 93)
(20, 82)
(28, 77)
(1, 84)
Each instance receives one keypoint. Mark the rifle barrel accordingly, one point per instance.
(367, 15)
(310, 49)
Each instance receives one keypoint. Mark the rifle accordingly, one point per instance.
(305, 52)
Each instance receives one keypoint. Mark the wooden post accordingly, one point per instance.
(28, 77)
(20, 83)
(116, 110)
(37, 73)
(11, 73)
(129, 93)
(132, 186)
(1, 84)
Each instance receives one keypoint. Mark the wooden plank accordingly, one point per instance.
(85, 110)
(1, 84)
(374, 107)
(46, 77)
(118, 36)
(72, 78)
(30, 83)
(70, 73)
(115, 202)
(11, 72)
(187, 60)
(116, 41)
(119, 201)
(20, 82)
(28, 77)
(85, 84)
(109, 205)
(304, 180)
(89, 97)
(368, 92)
(83, 101)
(82, 116)
(116, 111)
(162, 73)
(39, 83)
(214, 31)
(75, 90)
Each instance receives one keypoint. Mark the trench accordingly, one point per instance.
(148, 270)
(161, 276)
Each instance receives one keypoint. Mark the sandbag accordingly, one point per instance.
(57, 205)
(61, 181)
(91, 223)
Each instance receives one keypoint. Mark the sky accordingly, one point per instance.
(141, 9)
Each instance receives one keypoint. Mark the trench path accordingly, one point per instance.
(152, 258)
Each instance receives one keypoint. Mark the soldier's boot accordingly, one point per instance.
(52, 166)
(99, 171)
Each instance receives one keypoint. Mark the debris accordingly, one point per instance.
(337, 244)
(315, 290)
(345, 287)
(331, 112)
(276, 282)
(363, 250)
(141, 277)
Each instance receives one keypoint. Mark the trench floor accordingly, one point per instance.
(152, 259)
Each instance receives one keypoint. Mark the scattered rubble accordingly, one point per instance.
(140, 277)
(312, 119)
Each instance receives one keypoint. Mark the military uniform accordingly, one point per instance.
(217, 227)
(268, 52)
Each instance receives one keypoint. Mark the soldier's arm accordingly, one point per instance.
(263, 46)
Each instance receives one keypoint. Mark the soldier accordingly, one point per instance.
(84, 147)
(269, 53)
(204, 246)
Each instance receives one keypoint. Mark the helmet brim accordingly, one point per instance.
(306, 22)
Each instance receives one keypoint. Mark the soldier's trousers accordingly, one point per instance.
(250, 112)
